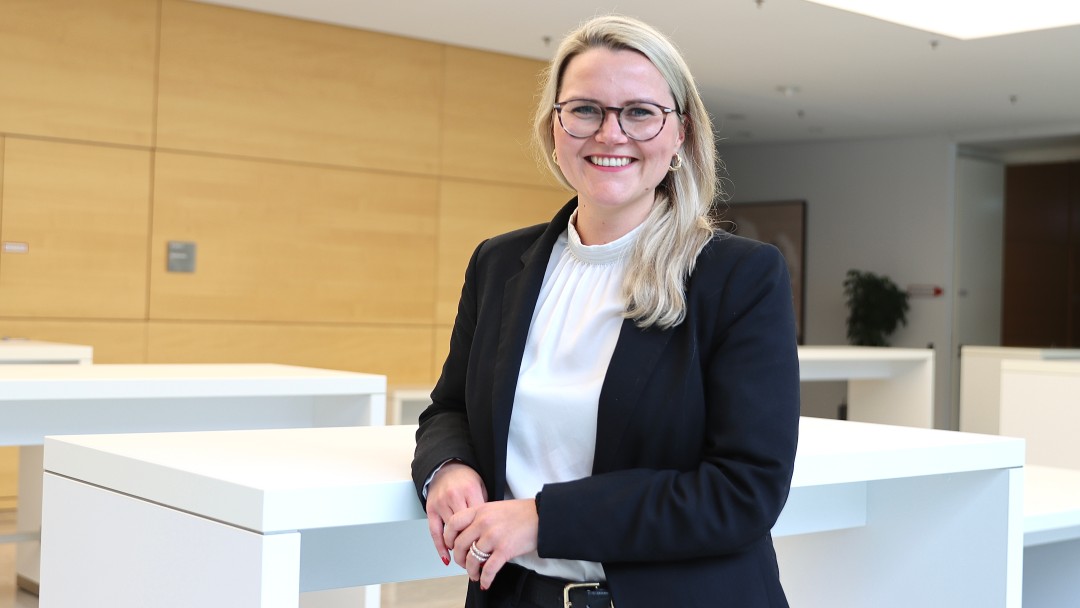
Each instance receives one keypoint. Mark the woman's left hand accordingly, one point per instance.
(505, 529)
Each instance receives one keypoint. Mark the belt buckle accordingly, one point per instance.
(571, 586)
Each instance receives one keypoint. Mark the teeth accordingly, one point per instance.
(607, 161)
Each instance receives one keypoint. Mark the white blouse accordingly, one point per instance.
(572, 335)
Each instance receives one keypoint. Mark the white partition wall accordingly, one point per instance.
(980, 381)
(875, 514)
(40, 400)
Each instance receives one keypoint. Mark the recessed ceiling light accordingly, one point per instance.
(967, 19)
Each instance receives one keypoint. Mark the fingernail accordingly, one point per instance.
(483, 588)
(445, 560)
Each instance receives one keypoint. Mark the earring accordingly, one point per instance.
(676, 163)
(554, 158)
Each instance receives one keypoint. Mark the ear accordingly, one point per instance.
(682, 135)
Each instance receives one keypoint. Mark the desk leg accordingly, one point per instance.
(28, 517)
(101, 548)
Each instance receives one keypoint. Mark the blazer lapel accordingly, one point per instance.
(519, 301)
(633, 361)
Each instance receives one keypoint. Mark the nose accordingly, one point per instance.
(610, 129)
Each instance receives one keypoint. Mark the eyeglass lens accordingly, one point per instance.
(639, 121)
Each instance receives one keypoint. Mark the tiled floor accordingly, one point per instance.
(439, 593)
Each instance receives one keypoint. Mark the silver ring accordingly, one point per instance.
(481, 556)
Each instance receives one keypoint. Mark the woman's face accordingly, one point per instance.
(613, 174)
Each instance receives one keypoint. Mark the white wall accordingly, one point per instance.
(884, 206)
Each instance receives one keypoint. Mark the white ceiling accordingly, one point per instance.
(856, 76)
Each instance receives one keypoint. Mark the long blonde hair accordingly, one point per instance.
(678, 227)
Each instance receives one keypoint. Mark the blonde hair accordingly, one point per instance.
(678, 227)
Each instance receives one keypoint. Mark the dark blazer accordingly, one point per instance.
(696, 430)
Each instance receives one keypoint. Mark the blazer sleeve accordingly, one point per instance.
(730, 496)
(444, 432)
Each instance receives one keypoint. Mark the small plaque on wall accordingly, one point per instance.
(181, 256)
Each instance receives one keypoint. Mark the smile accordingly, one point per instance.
(608, 161)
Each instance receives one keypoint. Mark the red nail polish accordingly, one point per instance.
(445, 560)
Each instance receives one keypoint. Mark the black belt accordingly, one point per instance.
(551, 592)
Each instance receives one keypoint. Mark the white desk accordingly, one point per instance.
(1051, 537)
(254, 518)
(39, 400)
(885, 385)
(1040, 401)
(15, 351)
(980, 381)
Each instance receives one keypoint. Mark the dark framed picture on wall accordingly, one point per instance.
(780, 223)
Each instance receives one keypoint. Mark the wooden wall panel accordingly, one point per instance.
(488, 113)
(284, 242)
(243, 83)
(9, 477)
(113, 341)
(78, 69)
(470, 212)
(3, 144)
(402, 353)
(83, 211)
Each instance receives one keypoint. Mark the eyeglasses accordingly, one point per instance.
(640, 121)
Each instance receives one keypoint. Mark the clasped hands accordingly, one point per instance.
(459, 515)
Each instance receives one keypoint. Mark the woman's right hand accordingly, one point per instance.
(456, 486)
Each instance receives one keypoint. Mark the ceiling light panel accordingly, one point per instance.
(967, 19)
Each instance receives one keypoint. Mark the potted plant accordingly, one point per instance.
(876, 306)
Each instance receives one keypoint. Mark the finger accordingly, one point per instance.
(475, 564)
(435, 527)
(453, 527)
(490, 568)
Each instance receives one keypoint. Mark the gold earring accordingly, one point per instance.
(676, 163)
(554, 158)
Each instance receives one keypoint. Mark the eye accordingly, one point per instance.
(640, 111)
(585, 111)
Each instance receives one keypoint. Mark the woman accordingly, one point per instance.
(620, 403)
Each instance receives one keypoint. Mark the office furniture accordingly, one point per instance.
(980, 381)
(1034, 394)
(40, 400)
(254, 518)
(17, 351)
(885, 385)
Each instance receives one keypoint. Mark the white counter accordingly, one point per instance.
(885, 385)
(269, 514)
(16, 351)
(980, 381)
(1040, 401)
(40, 400)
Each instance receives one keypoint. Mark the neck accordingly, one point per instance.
(598, 228)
